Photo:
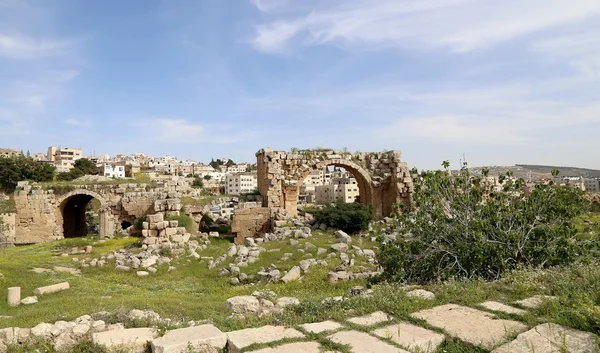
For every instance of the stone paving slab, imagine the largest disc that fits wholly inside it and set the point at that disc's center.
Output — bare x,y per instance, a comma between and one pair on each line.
471,325
132,339
318,327
535,301
496,306
361,342
370,319
241,339
551,338
198,338
411,337
297,347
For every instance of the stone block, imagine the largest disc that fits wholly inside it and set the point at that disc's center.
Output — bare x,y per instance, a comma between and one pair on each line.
550,338
535,301
420,293
155,218
292,275
145,232
170,231
361,342
204,338
238,340
471,325
132,339
370,319
176,238
495,306
150,240
324,326
14,296
411,337
51,289
297,347
174,224
145,225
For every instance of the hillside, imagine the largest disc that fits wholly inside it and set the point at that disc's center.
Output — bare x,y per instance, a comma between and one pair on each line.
536,172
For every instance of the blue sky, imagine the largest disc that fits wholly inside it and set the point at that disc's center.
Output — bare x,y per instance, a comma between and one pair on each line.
505,82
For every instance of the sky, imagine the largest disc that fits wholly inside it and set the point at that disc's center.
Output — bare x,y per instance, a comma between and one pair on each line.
500,82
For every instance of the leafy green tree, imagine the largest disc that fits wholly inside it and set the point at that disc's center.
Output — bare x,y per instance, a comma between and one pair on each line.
15,169
462,227
86,166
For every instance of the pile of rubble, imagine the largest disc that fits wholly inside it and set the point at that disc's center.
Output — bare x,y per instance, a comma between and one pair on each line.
263,302
64,335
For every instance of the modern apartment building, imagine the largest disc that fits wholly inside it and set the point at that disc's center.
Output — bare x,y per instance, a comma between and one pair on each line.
63,158
241,183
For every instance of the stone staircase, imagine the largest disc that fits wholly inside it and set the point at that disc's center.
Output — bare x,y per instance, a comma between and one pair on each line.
375,332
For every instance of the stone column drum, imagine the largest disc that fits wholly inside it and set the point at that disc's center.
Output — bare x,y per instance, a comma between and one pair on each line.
14,296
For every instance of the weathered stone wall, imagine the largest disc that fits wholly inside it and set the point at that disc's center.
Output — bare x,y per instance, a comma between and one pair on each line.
383,179
250,222
7,228
39,216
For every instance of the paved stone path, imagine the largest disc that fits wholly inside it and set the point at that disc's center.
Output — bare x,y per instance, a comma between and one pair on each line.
379,333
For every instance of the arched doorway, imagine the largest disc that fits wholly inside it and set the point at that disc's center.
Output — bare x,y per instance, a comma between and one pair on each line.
356,188
77,210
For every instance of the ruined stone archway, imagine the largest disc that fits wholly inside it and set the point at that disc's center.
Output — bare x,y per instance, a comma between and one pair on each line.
71,214
383,178
363,180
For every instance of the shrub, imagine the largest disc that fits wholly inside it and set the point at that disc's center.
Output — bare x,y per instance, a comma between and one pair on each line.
198,183
137,224
349,217
461,227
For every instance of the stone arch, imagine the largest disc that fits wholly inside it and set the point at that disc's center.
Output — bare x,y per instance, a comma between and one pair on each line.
384,179
71,213
363,179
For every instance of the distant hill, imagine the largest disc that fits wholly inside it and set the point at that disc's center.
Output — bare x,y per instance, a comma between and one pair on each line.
536,172
565,171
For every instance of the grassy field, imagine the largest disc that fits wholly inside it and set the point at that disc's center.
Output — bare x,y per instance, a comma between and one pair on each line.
193,292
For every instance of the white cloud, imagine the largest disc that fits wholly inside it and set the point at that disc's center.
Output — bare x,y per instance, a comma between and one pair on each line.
462,129
22,47
461,25
183,131
269,5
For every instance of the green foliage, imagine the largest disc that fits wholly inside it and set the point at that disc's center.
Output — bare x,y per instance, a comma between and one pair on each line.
219,162
70,175
15,169
198,182
461,227
137,224
81,167
86,166
184,221
349,217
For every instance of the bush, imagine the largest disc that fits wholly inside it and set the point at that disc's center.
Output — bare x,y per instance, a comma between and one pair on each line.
198,183
137,224
461,227
349,217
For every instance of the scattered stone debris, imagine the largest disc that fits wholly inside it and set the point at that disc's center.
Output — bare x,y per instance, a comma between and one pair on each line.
259,303
420,293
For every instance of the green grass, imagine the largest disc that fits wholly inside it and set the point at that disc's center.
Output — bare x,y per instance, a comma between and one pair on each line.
192,292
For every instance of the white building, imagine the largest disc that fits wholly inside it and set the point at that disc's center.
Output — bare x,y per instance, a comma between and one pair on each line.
241,183
326,194
114,170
